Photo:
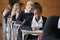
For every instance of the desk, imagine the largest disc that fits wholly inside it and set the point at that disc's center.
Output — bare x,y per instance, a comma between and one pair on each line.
13,21
17,25
30,32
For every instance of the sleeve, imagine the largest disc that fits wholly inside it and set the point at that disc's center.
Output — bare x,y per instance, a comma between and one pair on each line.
28,22
7,14
4,12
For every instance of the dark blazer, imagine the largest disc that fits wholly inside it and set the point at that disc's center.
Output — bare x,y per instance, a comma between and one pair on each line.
23,16
20,19
51,28
14,17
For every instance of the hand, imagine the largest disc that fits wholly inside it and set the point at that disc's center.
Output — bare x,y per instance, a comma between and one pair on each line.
9,19
34,28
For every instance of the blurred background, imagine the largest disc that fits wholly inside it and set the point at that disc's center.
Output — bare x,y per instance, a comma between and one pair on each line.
50,7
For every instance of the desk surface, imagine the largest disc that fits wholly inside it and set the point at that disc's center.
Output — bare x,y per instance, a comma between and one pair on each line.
17,24
32,32
13,21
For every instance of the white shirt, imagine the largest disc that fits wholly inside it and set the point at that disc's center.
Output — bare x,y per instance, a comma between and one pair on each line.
38,24
59,23
17,15
26,11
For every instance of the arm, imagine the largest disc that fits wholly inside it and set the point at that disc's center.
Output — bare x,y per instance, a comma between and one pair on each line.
5,12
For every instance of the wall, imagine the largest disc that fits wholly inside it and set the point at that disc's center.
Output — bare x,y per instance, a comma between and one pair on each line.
3,4
50,7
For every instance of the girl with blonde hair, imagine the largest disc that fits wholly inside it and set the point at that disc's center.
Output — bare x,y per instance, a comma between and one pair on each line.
14,14
26,12
15,11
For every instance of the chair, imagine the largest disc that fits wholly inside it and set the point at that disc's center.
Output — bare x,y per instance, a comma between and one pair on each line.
50,31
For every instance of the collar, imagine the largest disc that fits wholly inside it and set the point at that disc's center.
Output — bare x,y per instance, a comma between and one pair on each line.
17,13
40,20
26,11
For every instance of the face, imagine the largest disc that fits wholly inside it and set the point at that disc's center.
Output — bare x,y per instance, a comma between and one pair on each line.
17,8
29,8
37,13
9,7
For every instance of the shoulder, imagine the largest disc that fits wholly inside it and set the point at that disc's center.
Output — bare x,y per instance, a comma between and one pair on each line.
22,11
53,17
30,18
44,18
52,20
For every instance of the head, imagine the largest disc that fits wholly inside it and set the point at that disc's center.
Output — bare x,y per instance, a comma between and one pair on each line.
37,9
12,2
9,7
16,8
29,6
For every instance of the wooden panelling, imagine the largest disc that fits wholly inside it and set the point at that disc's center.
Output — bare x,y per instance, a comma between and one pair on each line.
50,7
3,4
0,32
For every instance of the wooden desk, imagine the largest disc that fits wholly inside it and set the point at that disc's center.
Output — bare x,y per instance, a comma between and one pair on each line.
17,24
13,21
27,31
30,32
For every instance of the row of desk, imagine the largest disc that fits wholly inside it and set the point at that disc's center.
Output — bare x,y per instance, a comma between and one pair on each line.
24,32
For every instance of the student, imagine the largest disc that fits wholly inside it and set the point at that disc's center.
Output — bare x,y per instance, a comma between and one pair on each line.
52,28
15,11
8,29
26,12
36,22
6,12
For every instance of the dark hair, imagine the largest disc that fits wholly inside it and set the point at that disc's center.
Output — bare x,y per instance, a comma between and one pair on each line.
37,6
12,2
